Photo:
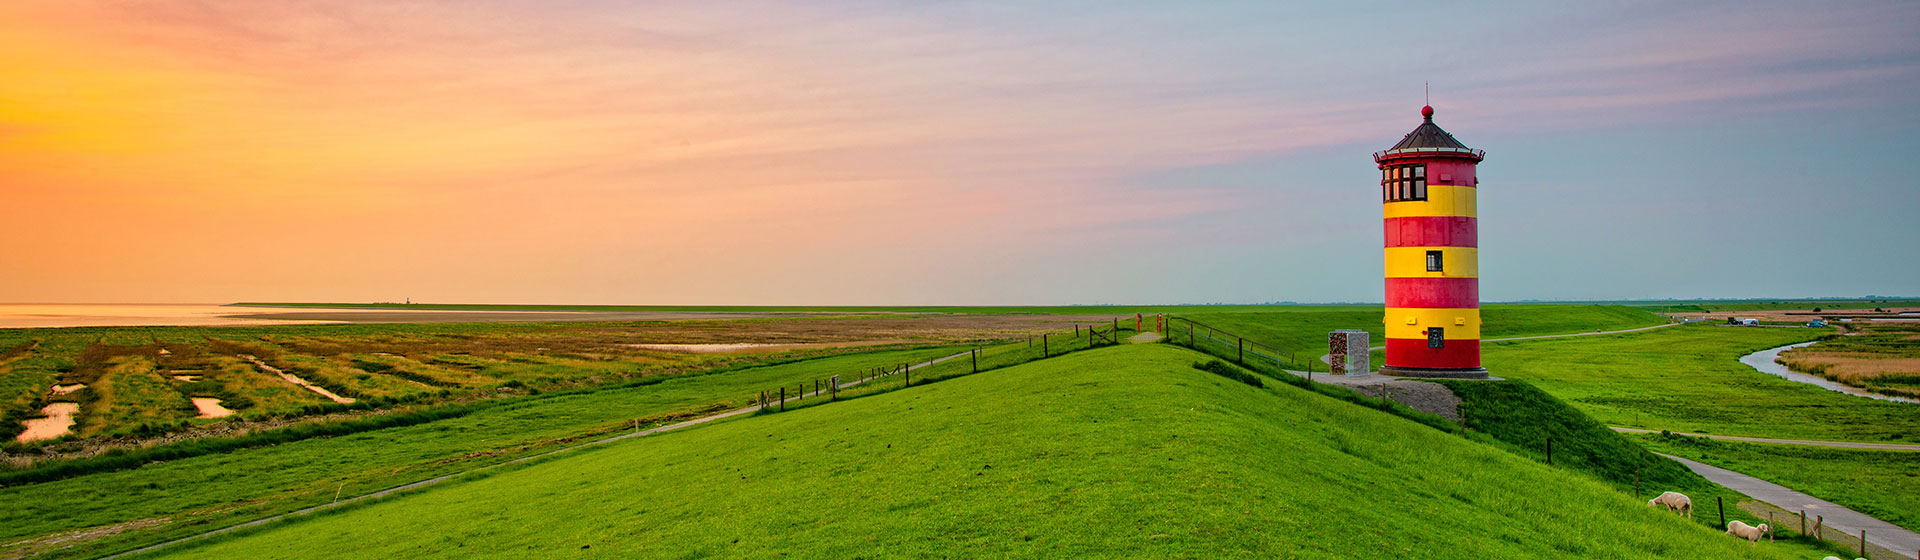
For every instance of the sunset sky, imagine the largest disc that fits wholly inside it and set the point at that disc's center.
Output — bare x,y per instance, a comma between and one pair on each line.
947,153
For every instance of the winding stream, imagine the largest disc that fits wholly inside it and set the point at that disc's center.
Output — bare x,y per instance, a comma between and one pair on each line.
1767,362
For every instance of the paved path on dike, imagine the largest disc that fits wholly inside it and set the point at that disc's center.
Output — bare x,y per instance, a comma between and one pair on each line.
1811,442
440,479
1903,543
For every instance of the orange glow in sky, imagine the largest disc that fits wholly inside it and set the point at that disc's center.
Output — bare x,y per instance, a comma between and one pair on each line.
583,152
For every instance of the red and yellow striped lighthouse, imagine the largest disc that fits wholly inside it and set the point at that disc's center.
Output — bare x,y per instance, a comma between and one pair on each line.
1428,187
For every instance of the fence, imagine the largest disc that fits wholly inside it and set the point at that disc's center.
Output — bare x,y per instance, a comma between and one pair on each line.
1238,346
883,378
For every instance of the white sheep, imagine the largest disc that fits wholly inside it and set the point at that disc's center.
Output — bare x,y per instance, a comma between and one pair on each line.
1674,501
1751,533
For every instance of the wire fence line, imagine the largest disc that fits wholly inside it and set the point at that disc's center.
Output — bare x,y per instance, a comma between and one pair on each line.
879,379
1240,346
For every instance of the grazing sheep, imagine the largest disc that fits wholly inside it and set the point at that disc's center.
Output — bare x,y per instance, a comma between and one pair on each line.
1674,501
1751,533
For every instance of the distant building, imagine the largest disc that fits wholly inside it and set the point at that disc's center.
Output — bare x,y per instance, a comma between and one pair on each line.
1429,190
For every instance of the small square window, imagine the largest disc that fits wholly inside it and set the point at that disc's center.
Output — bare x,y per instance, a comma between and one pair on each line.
1420,171
1436,337
1419,189
1434,261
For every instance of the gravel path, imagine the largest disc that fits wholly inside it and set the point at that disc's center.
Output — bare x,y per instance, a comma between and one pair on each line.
1901,542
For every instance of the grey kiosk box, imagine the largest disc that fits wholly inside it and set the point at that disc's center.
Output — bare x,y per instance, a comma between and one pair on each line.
1348,351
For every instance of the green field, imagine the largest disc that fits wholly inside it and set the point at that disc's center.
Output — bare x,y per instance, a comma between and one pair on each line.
1124,451
211,489
139,379
1883,484
1689,379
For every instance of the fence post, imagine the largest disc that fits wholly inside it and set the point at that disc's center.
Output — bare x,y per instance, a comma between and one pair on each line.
783,399
1043,346
1863,543
1242,357
1770,526
1818,522
1722,506
975,353
1803,522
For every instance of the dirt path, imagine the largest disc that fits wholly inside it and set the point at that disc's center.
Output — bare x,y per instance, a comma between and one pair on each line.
1901,542
462,474
1818,443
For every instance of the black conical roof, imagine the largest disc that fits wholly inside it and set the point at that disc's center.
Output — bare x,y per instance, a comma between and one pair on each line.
1428,135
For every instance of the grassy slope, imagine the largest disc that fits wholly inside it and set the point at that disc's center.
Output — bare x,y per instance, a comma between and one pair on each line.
1689,379
1525,417
1884,484
307,472
1117,452
1304,330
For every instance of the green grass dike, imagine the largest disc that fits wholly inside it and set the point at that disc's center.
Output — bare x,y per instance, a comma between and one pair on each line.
1126,451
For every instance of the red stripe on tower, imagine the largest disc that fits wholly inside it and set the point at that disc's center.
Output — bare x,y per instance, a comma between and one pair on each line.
1432,231
1458,354
1439,293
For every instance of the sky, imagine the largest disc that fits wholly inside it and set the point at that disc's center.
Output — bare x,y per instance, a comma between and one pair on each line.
870,153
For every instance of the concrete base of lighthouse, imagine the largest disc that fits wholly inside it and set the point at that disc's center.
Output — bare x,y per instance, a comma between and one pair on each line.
1469,373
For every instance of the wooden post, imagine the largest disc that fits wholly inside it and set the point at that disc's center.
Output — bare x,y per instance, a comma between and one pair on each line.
909,371
1863,543
1722,506
1043,346
1770,526
783,399
1803,522
975,353
1242,357
1076,330
1818,522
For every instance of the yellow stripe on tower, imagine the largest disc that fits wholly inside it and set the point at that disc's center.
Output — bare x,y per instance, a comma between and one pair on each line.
1411,262
1412,322
1442,200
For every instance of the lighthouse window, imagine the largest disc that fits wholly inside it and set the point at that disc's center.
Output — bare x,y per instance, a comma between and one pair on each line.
1403,183
1433,261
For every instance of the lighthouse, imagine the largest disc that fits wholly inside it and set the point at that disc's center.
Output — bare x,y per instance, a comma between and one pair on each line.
1428,188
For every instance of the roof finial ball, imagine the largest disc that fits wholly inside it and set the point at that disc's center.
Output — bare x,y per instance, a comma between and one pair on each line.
1427,112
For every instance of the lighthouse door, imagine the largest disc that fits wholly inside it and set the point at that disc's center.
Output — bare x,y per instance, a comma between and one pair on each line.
1436,337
